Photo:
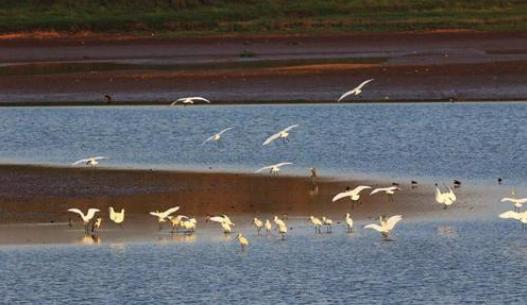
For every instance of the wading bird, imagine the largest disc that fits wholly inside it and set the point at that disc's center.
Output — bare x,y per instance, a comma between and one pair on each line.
117,217
446,199
275,168
389,191
177,221
96,224
353,195
243,241
282,229
356,91
86,219
278,221
385,226
163,216
91,161
282,134
268,226
328,223
317,223
258,224
189,225
189,100
349,222
216,137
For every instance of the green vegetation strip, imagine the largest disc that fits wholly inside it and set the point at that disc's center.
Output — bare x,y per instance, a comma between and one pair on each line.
183,17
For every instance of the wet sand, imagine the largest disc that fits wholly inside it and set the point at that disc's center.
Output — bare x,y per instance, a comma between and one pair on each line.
434,66
34,200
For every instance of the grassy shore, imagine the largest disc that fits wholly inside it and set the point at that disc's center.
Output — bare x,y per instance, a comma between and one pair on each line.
181,17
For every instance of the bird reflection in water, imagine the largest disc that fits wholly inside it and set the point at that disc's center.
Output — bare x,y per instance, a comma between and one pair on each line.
90,239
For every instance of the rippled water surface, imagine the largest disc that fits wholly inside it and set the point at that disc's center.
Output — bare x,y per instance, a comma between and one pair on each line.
427,263
477,140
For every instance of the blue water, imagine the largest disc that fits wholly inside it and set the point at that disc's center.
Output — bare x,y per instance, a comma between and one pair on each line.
427,263
478,141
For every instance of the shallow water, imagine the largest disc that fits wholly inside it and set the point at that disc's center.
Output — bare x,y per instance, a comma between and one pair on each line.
427,263
478,141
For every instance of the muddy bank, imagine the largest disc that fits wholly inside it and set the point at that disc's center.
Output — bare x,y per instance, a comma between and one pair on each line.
406,66
43,194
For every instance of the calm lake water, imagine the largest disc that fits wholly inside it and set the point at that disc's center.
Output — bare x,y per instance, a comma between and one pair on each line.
427,263
478,141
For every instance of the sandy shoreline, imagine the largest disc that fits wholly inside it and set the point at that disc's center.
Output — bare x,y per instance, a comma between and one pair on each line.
462,66
34,200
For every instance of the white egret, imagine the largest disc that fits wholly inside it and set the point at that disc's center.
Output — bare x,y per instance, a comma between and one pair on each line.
243,241
189,225
189,100
86,218
176,221
446,199
278,221
517,202
353,195
355,91
268,226
117,217
282,229
328,223
349,222
91,161
216,137
317,223
385,227
282,134
275,168
163,216
258,224
389,191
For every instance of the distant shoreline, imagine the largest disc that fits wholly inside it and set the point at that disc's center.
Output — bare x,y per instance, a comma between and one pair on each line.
252,102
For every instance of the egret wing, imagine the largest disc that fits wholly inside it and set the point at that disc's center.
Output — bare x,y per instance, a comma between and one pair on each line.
341,195
271,138
392,221
374,226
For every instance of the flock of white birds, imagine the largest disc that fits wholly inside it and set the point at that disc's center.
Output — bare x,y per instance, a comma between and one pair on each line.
187,225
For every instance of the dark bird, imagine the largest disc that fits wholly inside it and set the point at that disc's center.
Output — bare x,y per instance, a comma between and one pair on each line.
457,183
500,180
108,99
413,183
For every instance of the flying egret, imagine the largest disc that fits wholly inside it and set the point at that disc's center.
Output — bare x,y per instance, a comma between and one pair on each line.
91,161
349,222
86,218
117,217
216,137
521,217
163,216
268,226
389,191
243,241
328,223
353,195
189,100
356,91
275,168
258,224
317,223
224,221
385,226
282,134
517,202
